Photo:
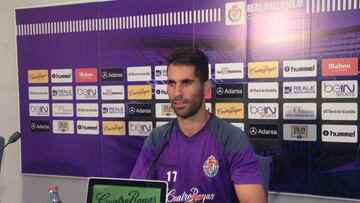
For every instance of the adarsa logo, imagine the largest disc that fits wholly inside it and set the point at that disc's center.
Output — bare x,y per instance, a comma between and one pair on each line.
139,92
229,110
263,69
113,127
39,126
112,74
264,131
38,76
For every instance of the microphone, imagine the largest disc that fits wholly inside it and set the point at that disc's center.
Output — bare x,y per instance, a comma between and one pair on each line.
13,138
161,150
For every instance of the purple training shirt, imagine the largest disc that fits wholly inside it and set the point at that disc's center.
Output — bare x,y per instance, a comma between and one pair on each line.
208,163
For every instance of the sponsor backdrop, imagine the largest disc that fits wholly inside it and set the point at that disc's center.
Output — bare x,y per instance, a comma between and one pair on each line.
92,81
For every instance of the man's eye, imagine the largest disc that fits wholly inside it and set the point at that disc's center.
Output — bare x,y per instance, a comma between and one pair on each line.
186,83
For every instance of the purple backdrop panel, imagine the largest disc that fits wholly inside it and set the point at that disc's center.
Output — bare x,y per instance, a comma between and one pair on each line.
45,152
120,34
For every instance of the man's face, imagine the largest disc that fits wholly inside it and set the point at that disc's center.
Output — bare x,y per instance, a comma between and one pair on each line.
185,90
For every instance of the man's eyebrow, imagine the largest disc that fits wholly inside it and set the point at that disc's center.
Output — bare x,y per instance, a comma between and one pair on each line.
182,81
187,80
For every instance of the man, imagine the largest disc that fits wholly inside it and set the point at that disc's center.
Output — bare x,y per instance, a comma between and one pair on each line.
198,153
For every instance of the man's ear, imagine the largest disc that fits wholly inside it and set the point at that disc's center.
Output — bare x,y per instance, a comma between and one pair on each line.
207,87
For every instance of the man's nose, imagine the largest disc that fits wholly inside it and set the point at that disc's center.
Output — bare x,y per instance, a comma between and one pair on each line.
178,90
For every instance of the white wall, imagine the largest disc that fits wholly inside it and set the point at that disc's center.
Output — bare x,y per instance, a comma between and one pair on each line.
11,180
16,188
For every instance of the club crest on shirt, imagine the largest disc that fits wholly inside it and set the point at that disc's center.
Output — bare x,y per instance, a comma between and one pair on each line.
211,166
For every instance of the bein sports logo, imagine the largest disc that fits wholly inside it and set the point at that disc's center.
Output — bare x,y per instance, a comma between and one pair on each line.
86,92
334,89
263,111
39,109
140,128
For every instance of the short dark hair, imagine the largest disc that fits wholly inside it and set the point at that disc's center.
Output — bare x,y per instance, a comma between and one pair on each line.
191,56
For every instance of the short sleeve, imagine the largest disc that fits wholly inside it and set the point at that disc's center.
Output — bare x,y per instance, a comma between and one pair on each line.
243,166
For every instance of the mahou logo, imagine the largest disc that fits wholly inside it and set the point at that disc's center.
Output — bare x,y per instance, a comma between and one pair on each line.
86,75
340,67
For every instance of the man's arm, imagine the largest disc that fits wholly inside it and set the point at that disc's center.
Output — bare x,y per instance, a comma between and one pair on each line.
250,193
